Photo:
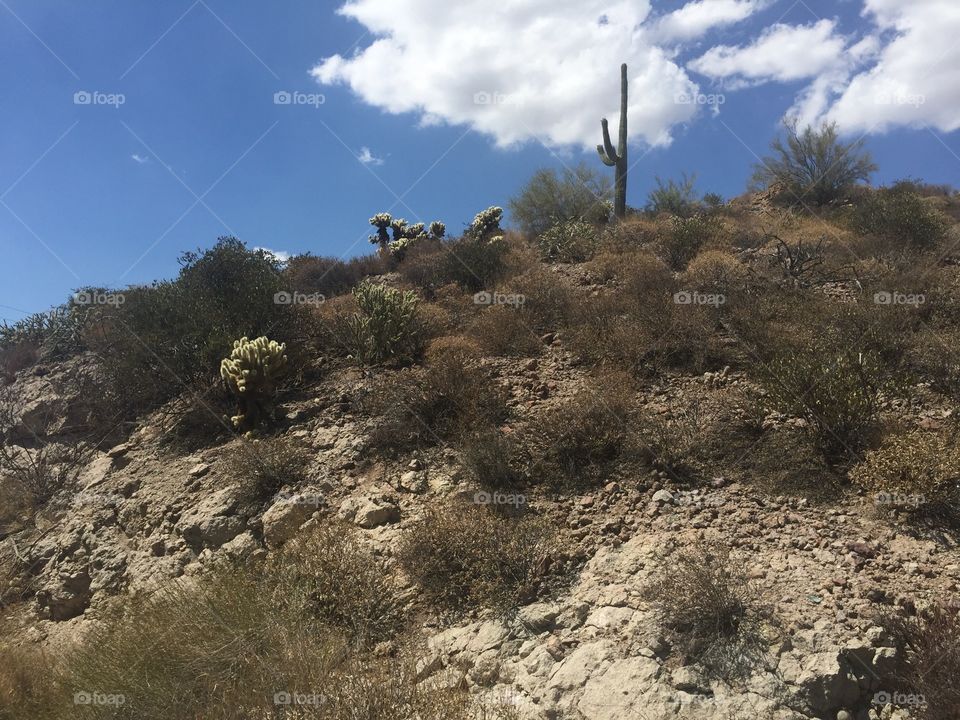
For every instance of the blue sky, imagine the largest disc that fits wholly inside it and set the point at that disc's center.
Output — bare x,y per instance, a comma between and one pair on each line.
103,193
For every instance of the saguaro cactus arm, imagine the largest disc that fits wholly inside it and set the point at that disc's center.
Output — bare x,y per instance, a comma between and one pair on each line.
607,154
617,157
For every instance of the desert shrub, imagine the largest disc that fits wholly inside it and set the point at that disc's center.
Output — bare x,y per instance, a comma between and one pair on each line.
470,557
903,220
715,272
503,330
815,164
549,198
934,357
251,373
175,333
16,357
263,466
630,233
385,326
673,440
449,397
571,241
798,262
489,457
836,391
470,262
685,237
708,608
328,575
329,276
928,660
26,676
807,474
53,334
917,469
675,197
579,442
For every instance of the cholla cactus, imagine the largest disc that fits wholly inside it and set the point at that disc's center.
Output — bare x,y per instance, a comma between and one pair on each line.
486,225
381,221
437,230
251,373
386,325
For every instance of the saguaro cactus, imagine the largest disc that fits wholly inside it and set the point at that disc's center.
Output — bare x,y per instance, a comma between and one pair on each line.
617,157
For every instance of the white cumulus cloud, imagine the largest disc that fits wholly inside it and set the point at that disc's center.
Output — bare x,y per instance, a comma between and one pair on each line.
915,80
367,157
523,70
695,19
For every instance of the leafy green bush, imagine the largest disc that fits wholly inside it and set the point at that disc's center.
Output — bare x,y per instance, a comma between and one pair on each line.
570,241
473,264
549,199
814,164
386,326
174,334
470,557
676,198
902,219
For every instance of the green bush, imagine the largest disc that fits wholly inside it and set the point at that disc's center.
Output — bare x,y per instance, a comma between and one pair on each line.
902,219
814,165
676,198
329,276
549,199
174,334
386,325
686,237
471,263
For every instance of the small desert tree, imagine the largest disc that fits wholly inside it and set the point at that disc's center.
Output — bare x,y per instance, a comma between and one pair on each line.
550,198
814,165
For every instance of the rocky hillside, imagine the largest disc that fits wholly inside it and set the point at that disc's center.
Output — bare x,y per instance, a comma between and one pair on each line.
670,469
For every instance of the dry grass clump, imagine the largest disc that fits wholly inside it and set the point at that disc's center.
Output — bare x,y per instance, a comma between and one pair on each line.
263,466
579,442
239,644
490,458
706,604
463,558
929,646
715,271
449,397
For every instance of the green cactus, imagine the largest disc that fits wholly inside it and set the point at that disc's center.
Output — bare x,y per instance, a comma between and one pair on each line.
403,235
486,225
386,326
382,222
251,373
617,158
437,230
